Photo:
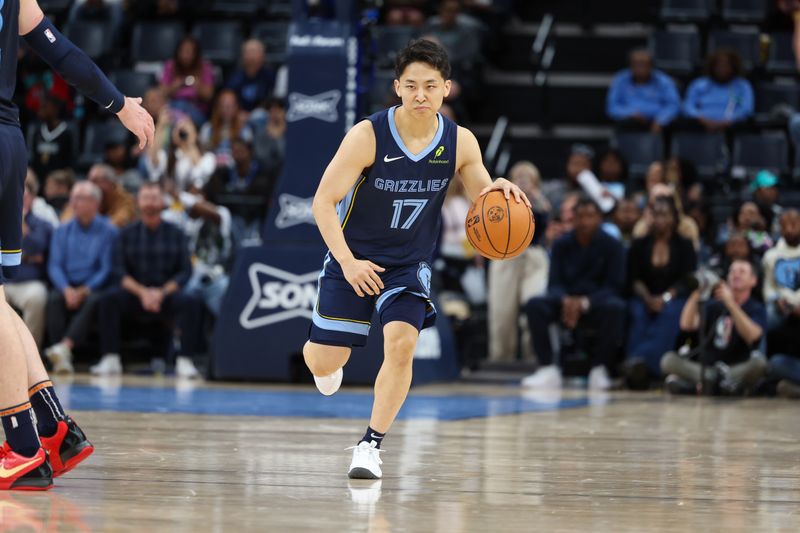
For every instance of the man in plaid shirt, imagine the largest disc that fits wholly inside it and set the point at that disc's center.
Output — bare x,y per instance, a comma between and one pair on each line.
151,260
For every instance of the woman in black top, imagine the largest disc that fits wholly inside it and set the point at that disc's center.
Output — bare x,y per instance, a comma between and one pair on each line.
659,265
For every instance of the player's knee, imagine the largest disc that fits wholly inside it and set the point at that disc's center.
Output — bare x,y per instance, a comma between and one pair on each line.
399,345
324,360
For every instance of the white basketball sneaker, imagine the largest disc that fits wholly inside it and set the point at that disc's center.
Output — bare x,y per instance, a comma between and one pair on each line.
366,462
547,377
60,356
329,384
185,369
109,365
599,378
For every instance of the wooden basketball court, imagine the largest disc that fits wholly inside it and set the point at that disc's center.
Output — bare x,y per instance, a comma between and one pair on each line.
463,458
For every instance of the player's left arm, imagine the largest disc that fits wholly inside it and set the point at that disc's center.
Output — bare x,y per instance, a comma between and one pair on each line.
75,66
476,179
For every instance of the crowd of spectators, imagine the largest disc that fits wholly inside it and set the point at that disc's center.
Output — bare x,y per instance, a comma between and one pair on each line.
143,240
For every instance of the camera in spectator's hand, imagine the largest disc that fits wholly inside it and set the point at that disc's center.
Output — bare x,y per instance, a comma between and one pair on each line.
706,280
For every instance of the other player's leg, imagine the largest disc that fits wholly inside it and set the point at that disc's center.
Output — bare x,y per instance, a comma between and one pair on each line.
60,435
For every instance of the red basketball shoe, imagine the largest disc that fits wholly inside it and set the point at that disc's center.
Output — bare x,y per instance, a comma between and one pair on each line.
24,473
67,448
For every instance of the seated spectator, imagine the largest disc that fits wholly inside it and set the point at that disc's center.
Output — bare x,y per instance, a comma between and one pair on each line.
245,177
625,216
782,285
612,171
27,290
188,80
587,275
184,166
659,265
39,205
700,213
79,268
580,159
513,282
160,9
151,257
734,325
119,156
682,176
642,97
227,123
736,248
405,12
765,194
748,219
51,146
211,245
686,226
254,80
723,97
270,141
455,253
563,222
118,204
57,187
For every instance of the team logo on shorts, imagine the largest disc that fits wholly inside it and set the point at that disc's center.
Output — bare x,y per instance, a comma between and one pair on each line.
278,296
424,277
496,214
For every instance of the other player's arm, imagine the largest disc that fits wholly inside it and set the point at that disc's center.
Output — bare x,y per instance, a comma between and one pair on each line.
356,153
476,179
75,66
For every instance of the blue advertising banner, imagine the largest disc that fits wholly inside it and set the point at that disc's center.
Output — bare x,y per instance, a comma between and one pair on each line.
266,314
321,108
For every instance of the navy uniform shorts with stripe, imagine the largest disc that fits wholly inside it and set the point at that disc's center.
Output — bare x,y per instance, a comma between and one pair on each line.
342,318
13,166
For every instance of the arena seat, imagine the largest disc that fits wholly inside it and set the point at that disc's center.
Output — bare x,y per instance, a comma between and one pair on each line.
766,150
220,42
90,36
744,11
676,52
686,10
155,41
132,83
745,42
274,36
639,150
781,58
707,151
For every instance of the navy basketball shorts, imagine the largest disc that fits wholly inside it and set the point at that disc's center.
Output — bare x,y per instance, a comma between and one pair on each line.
342,318
13,166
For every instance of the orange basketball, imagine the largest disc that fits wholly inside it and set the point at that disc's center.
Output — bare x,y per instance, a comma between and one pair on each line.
498,228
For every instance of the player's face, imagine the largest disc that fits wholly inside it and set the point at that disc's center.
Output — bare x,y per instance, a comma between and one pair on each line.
422,89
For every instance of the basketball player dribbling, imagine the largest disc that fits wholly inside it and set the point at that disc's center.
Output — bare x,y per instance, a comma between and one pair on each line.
29,407
378,208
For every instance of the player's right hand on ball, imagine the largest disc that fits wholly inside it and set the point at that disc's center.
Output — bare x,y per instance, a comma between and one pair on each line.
363,276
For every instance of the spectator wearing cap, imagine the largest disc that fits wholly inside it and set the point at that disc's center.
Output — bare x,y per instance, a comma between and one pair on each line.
641,97
51,145
722,97
765,194
79,268
254,80
27,290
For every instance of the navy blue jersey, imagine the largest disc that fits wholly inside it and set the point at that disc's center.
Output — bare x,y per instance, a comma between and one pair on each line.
9,41
392,215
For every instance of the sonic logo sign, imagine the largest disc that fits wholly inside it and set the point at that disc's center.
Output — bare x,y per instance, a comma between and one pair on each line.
278,296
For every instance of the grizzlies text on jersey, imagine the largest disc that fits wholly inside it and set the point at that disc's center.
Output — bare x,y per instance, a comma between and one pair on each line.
392,215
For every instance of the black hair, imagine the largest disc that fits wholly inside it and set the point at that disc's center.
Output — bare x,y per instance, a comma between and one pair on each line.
587,201
718,55
613,152
423,51
243,142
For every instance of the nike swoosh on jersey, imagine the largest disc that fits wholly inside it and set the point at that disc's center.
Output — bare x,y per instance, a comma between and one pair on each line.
7,473
387,159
